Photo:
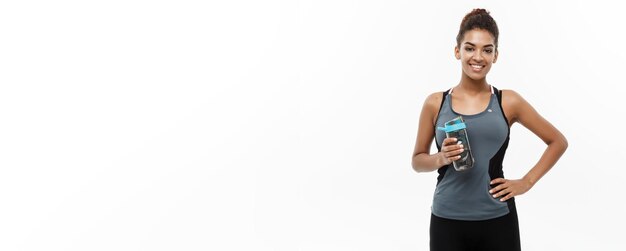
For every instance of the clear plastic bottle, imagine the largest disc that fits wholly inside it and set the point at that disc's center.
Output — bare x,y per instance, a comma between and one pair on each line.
456,128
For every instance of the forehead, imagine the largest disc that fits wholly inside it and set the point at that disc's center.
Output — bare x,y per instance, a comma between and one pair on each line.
479,37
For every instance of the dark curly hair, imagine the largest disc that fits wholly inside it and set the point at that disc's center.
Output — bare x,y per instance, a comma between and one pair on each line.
478,18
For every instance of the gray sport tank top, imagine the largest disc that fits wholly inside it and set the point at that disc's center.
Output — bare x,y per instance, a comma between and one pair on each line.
464,195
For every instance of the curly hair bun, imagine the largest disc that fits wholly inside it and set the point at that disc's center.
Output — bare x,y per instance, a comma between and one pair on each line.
478,19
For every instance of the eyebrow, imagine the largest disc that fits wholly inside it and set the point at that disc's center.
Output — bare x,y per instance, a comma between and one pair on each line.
489,45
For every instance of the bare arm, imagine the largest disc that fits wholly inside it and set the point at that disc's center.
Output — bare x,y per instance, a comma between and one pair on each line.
422,160
526,115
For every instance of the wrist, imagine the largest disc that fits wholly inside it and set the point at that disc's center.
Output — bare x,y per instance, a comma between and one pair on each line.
440,159
529,181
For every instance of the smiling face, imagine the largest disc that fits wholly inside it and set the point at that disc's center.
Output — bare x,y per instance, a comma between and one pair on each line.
477,53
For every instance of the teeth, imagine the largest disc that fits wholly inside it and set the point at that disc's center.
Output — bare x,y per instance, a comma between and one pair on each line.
476,66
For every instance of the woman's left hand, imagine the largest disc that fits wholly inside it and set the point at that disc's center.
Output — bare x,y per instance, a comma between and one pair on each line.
509,188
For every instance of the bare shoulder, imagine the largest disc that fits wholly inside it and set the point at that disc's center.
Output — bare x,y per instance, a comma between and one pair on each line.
511,94
434,100
431,106
511,97
432,103
515,106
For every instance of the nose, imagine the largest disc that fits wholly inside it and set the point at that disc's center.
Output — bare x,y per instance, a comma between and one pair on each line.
477,56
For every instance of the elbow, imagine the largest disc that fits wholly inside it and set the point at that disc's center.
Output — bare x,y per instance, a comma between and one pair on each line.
414,164
564,143
418,170
561,143
417,166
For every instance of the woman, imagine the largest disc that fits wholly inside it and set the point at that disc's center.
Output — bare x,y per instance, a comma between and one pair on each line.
475,209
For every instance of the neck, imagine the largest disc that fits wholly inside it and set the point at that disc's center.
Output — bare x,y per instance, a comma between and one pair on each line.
472,86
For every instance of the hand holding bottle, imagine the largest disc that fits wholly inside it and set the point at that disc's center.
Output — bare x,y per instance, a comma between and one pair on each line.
450,151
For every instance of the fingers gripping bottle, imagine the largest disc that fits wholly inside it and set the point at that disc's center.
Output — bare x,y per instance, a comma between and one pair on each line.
455,128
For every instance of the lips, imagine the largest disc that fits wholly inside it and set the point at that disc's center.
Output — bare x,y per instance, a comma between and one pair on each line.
476,67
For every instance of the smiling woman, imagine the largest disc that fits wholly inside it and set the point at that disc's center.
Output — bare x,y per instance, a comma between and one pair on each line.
474,209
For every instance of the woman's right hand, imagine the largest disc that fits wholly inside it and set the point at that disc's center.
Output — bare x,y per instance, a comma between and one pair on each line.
450,151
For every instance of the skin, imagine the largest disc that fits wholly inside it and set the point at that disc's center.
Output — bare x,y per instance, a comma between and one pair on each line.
471,96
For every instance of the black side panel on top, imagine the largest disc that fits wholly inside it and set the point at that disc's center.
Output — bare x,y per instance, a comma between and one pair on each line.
442,170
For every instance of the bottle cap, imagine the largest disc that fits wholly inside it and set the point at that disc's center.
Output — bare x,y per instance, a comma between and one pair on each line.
452,128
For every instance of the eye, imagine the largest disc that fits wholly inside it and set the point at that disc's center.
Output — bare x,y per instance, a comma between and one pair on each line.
489,51
469,49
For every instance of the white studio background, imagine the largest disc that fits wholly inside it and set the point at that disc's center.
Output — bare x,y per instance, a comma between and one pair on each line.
284,125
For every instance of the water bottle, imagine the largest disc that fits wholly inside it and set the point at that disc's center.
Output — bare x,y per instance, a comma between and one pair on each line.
455,128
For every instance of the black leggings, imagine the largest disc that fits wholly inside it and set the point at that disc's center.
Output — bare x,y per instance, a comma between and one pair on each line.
496,234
